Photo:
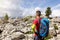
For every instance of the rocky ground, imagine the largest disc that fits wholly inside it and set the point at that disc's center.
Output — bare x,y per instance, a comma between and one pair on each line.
20,29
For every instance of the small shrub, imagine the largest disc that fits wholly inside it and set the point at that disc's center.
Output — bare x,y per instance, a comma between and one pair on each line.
55,26
48,37
25,19
30,32
6,17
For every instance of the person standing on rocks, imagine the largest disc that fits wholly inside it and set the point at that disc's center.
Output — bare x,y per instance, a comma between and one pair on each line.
40,27
36,25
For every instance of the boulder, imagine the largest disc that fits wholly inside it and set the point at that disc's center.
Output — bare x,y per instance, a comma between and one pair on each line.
7,38
58,37
59,27
52,31
58,31
26,29
17,36
11,20
29,36
14,36
2,26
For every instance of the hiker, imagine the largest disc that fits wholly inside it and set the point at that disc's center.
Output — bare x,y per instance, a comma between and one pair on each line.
36,25
40,27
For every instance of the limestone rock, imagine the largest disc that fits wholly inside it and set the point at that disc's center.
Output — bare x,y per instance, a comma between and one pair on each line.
52,31
17,36
11,20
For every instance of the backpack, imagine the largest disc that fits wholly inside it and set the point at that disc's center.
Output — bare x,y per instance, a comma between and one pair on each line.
44,27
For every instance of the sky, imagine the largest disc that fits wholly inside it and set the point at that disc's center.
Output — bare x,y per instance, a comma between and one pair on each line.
21,8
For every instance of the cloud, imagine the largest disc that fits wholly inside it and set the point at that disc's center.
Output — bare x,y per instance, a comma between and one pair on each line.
37,8
11,7
56,10
56,13
56,7
28,12
16,8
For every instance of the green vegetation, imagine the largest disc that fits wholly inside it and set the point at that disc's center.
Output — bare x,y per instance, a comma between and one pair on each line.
26,18
48,12
6,17
29,16
56,27
30,32
48,37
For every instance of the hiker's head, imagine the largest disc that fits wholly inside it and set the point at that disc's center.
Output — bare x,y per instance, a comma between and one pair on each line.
38,14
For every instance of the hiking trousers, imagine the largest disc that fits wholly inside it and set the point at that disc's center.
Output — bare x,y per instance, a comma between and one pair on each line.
38,38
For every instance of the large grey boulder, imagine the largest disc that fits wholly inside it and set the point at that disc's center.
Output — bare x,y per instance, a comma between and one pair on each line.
52,31
59,27
2,26
58,37
11,20
29,36
26,29
7,38
17,36
58,31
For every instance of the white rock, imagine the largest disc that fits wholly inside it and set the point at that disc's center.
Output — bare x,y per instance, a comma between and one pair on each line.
52,31
58,37
26,29
7,38
11,20
58,31
9,29
17,35
58,27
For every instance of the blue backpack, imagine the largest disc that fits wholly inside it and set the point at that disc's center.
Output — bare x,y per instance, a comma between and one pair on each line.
44,27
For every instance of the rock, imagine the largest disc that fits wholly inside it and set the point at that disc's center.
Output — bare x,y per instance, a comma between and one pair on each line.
7,38
9,27
58,31
8,30
59,27
26,29
17,36
15,29
58,37
2,26
52,31
14,36
23,24
29,36
29,25
11,20
52,39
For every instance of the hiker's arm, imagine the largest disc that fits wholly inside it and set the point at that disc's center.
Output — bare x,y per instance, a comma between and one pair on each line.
33,27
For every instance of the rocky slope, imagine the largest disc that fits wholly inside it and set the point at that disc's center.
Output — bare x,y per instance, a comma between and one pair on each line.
20,29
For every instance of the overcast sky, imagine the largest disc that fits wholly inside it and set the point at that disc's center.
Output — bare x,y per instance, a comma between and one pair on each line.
17,8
